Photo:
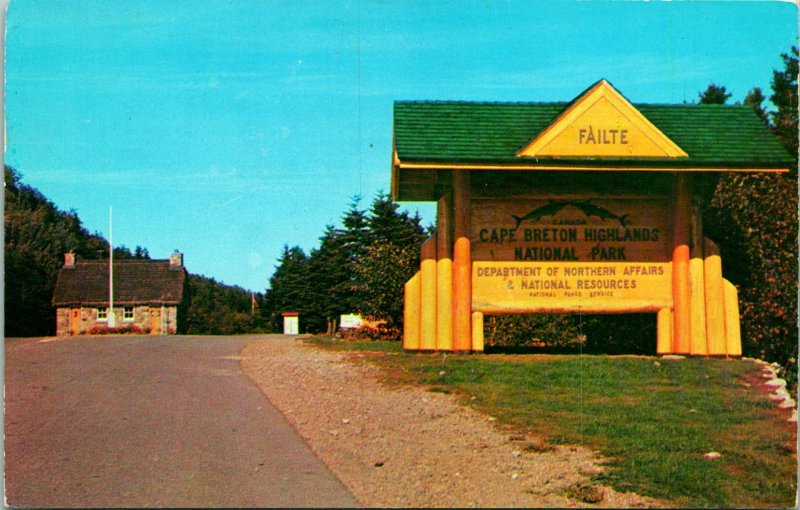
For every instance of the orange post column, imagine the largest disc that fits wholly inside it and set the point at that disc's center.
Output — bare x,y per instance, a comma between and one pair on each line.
444,274
462,263
681,284
427,323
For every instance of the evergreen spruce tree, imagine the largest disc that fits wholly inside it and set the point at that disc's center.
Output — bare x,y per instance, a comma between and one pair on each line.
714,94
288,286
755,99
387,225
390,259
784,97
329,282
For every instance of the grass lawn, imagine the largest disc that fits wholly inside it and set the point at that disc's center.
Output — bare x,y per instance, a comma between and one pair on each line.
654,418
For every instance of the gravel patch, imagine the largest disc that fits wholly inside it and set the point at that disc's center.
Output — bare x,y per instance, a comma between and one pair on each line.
407,447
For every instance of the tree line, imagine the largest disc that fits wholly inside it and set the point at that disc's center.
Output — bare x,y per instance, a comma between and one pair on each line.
359,267
38,234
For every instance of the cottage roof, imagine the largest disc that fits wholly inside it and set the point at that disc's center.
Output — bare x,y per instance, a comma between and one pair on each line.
136,282
458,135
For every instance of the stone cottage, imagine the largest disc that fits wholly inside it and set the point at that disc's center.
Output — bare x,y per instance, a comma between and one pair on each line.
148,295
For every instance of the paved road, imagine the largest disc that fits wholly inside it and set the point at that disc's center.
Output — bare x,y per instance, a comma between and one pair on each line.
150,421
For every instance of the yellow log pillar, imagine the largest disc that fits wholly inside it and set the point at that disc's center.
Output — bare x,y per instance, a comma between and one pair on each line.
477,331
444,274
411,314
427,324
733,334
715,300
699,342
681,283
664,328
462,263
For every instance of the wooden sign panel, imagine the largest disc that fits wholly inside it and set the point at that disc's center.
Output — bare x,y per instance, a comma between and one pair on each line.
520,287
570,254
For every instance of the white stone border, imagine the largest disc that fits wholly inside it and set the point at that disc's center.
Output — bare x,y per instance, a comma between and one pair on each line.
769,371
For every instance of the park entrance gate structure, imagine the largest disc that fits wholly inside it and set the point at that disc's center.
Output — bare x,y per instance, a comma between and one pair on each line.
592,206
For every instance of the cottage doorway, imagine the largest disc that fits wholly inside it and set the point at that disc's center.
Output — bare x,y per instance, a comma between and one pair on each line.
155,321
75,321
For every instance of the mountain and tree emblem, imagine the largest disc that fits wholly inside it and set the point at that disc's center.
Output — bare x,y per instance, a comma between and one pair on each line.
553,207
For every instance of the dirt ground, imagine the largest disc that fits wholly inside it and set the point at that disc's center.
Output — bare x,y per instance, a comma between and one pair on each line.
407,447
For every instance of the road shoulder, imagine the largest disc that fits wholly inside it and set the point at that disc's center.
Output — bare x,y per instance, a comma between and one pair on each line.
407,447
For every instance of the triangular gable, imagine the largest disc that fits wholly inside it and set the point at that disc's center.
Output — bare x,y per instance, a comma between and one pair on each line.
602,123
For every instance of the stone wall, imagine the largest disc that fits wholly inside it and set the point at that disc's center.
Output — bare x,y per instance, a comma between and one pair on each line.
62,321
141,317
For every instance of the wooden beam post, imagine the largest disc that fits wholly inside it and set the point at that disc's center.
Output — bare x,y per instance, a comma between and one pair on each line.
462,263
681,282
444,273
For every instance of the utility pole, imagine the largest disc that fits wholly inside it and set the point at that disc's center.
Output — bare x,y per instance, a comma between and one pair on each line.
112,322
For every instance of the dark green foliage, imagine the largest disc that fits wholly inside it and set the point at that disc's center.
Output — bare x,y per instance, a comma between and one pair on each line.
386,225
755,99
551,333
784,97
389,261
288,288
714,94
355,236
216,309
381,275
606,334
360,268
620,334
754,219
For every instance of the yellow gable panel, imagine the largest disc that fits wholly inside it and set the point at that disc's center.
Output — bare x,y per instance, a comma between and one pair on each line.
602,123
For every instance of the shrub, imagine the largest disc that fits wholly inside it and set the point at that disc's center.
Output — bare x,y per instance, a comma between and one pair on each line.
373,331
381,274
633,333
549,332
611,334
754,219
127,329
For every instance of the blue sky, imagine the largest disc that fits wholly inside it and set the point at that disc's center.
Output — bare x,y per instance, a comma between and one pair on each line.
226,129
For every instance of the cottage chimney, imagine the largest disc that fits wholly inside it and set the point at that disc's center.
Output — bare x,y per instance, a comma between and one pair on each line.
69,260
176,260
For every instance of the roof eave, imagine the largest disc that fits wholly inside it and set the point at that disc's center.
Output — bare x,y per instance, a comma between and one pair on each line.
589,164
95,304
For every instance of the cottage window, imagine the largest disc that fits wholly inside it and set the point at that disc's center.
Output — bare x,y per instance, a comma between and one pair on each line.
127,313
102,314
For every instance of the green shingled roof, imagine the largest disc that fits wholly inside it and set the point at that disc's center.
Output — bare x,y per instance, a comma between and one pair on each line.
714,136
